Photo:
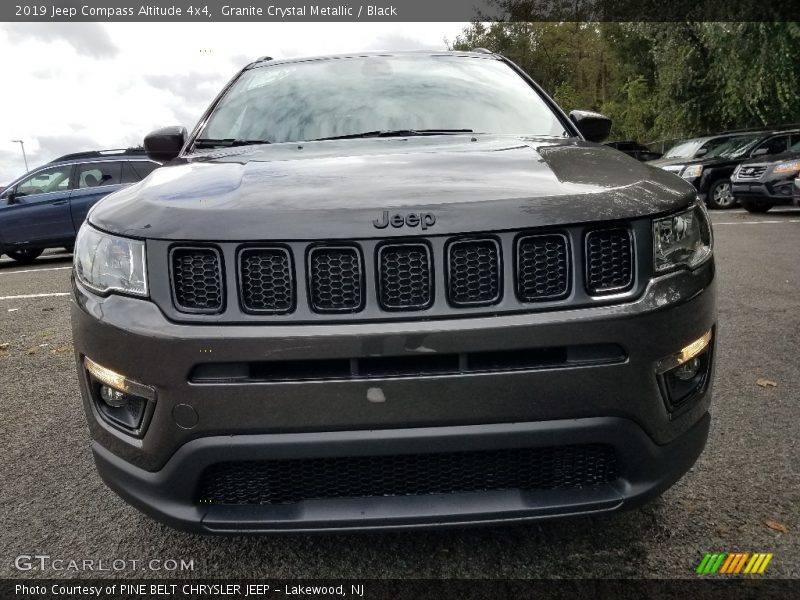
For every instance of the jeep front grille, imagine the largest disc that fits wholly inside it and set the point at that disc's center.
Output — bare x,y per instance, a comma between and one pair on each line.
295,480
197,279
405,279
267,282
335,279
542,267
609,261
420,277
474,272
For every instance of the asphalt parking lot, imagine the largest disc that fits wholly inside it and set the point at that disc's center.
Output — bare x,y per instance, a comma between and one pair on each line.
742,495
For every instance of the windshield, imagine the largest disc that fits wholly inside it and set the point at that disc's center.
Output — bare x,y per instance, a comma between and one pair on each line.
734,147
683,150
349,96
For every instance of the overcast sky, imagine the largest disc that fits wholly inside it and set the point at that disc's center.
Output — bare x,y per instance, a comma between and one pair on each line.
69,87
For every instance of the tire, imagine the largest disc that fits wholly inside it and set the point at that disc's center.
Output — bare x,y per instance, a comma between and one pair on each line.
720,196
24,256
756,206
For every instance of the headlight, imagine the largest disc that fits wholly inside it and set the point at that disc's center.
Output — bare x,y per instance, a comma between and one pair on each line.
792,166
683,239
106,263
692,171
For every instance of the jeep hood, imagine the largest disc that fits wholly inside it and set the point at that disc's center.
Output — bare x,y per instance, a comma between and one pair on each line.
335,189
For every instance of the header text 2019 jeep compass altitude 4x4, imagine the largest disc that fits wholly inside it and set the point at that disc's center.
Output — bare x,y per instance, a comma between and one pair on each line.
388,291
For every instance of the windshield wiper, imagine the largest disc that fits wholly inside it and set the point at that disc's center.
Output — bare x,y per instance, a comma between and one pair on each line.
394,133
226,143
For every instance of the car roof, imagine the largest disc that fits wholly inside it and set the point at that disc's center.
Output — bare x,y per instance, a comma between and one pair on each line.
99,155
477,53
760,132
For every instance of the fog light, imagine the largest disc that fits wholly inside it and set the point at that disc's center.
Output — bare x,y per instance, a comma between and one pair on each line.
684,375
113,397
120,401
687,370
686,354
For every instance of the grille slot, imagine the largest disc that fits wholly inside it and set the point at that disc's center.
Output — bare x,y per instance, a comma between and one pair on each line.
750,172
197,279
335,279
542,267
474,273
411,365
609,261
292,481
404,276
266,280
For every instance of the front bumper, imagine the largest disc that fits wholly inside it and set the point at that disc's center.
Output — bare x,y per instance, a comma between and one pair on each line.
774,192
618,403
167,495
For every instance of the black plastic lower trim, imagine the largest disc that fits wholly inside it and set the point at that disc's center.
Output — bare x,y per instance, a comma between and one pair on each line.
645,469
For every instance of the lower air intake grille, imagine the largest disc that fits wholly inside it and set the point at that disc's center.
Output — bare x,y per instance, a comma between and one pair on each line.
474,272
542,267
266,280
609,261
335,279
292,481
197,280
405,277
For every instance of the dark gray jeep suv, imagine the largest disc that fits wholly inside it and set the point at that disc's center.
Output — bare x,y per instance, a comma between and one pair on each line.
393,290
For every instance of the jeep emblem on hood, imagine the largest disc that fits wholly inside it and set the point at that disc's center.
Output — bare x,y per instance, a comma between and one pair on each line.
423,220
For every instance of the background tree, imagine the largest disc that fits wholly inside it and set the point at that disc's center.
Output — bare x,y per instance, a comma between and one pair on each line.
658,80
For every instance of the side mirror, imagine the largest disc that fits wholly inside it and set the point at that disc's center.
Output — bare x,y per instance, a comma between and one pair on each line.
165,144
701,152
593,126
760,151
11,196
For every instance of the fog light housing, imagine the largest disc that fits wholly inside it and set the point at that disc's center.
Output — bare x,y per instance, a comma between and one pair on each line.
121,402
688,370
114,398
684,375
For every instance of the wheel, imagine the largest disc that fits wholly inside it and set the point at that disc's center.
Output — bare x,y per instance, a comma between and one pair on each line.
24,256
720,194
756,206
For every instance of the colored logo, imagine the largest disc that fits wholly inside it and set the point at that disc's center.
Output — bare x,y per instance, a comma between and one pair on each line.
733,563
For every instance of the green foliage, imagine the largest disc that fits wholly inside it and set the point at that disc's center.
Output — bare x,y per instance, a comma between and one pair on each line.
658,80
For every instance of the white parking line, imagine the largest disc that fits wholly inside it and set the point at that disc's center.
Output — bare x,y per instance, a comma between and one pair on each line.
758,222
784,210
26,296
35,270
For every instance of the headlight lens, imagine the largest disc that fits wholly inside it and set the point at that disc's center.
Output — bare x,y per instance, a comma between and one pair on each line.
692,171
792,166
106,263
683,239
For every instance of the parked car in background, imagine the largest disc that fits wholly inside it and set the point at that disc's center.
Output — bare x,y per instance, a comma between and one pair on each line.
675,158
45,207
711,173
635,149
762,183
